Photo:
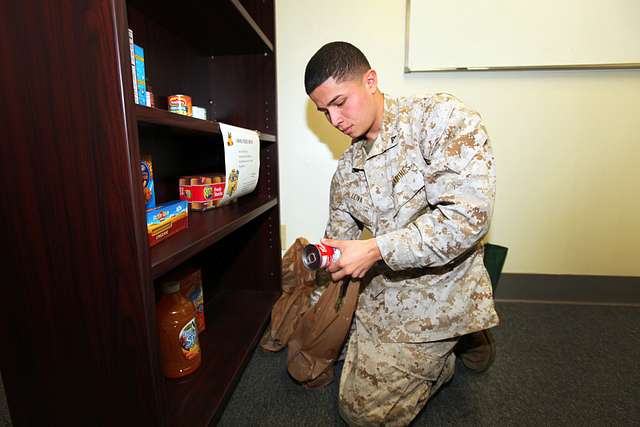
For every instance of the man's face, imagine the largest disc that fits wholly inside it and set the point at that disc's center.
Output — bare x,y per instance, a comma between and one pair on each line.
349,105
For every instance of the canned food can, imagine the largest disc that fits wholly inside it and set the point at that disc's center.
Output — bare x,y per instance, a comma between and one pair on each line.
180,104
319,256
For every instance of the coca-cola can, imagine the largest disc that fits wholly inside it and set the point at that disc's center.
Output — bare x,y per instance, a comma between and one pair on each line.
319,256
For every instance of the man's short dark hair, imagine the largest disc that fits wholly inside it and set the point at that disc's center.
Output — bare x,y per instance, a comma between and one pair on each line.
340,60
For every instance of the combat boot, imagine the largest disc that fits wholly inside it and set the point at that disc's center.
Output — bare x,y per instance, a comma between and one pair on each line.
477,350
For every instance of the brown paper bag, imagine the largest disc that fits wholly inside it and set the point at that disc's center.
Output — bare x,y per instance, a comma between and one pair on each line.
321,332
297,285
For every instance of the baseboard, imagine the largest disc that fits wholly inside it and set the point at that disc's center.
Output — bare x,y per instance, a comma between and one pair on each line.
569,288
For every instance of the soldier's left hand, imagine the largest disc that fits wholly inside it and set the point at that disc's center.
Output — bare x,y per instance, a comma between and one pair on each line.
357,257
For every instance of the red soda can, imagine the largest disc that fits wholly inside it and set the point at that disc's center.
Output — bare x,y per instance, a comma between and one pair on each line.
319,256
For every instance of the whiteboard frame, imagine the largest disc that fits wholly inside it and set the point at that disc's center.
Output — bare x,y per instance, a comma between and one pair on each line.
407,69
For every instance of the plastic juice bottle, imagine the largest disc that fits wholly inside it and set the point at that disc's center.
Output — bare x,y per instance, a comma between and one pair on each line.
179,346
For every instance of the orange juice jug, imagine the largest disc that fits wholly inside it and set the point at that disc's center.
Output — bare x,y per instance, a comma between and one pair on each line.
178,331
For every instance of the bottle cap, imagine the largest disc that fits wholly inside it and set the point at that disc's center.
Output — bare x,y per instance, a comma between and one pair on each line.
170,287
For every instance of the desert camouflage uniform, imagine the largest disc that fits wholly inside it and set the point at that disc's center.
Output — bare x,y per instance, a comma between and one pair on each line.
425,189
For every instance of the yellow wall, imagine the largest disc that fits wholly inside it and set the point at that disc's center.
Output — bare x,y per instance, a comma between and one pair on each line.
567,143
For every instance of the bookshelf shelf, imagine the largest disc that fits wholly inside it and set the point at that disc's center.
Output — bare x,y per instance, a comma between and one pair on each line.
206,228
180,123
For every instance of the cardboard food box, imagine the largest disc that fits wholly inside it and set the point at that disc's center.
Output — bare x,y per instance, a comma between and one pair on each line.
146,167
202,192
166,219
191,288
190,279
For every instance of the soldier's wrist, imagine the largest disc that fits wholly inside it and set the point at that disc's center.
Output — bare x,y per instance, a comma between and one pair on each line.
374,250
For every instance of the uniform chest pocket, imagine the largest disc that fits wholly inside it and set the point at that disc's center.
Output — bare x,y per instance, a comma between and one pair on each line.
408,188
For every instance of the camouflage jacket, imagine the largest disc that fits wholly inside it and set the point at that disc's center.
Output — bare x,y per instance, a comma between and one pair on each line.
425,190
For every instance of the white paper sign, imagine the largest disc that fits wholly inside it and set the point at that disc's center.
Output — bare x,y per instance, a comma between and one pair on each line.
241,159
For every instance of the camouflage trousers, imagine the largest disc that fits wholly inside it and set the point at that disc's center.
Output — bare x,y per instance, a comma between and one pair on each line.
389,383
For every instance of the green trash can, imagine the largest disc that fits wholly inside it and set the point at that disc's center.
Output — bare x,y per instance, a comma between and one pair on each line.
494,257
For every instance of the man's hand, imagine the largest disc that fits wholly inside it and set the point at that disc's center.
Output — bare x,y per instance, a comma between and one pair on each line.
357,257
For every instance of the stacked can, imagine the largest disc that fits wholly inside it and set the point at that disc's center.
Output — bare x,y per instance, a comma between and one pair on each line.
180,104
319,256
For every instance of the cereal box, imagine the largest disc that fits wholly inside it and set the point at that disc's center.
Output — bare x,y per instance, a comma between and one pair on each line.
166,220
138,54
191,288
147,182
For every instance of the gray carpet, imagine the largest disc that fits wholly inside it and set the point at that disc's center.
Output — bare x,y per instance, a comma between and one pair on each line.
556,365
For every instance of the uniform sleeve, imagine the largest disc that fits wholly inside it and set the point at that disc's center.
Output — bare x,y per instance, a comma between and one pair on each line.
460,188
341,225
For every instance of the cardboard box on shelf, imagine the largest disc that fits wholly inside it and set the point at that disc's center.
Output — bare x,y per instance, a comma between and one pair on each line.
146,167
190,279
191,287
166,219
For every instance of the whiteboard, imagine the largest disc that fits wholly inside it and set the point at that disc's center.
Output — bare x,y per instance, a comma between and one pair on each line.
444,35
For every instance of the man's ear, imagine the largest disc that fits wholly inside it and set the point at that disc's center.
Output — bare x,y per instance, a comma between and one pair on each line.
371,80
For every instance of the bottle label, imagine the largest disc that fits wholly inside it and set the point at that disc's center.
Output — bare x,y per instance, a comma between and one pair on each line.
189,340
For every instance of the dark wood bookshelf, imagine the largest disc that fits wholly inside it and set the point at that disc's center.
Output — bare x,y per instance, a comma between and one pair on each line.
206,228
80,255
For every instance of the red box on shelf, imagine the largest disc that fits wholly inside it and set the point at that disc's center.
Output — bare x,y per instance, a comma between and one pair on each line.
202,191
